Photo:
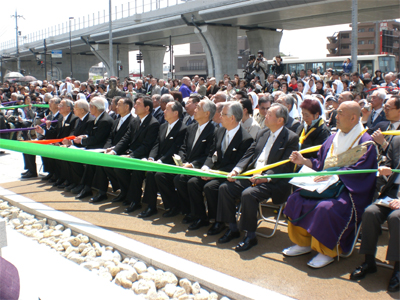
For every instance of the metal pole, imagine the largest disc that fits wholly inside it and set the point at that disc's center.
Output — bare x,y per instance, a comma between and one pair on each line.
51,66
16,40
354,34
70,46
170,55
45,60
110,42
1,69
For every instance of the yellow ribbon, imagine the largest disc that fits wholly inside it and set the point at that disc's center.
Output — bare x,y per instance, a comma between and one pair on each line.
391,132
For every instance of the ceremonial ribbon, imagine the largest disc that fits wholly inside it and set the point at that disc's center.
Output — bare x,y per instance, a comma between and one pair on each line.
51,141
391,132
25,105
113,161
23,129
10,102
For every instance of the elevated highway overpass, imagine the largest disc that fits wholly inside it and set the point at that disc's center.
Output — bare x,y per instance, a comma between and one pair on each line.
215,23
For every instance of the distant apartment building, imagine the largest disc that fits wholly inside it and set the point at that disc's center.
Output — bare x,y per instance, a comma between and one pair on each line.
195,63
381,37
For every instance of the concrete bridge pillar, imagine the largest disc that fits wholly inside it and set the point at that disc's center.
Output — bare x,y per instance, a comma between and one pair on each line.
120,58
222,40
266,40
153,59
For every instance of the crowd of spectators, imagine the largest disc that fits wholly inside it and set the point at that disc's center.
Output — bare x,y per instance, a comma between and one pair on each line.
232,125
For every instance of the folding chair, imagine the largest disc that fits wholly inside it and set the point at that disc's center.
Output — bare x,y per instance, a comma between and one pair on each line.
271,219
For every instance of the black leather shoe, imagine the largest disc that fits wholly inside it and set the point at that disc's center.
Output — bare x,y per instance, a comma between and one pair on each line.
361,271
229,236
58,182
171,212
99,197
148,213
394,282
119,198
126,202
189,218
246,244
198,224
77,189
47,177
133,207
52,179
63,185
24,172
70,187
29,174
216,228
84,193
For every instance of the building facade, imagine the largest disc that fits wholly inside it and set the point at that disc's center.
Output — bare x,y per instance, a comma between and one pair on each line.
381,37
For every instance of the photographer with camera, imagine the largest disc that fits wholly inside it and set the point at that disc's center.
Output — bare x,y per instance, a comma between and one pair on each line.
261,66
356,86
249,69
277,68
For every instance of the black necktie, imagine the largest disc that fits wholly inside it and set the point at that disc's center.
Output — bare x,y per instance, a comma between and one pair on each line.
189,121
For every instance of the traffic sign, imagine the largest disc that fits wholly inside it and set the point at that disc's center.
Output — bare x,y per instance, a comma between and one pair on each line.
56,53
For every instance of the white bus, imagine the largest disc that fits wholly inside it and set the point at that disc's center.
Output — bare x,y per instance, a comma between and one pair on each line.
384,62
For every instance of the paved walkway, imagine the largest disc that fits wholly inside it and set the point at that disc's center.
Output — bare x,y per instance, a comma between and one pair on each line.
263,265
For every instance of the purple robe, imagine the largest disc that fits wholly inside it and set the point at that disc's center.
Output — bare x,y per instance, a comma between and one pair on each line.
330,217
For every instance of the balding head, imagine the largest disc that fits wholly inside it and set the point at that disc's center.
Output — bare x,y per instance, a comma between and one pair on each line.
348,116
186,81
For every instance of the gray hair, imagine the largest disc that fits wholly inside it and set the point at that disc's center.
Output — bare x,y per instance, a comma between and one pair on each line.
289,99
167,98
381,94
156,97
281,112
82,104
234,109
48,96
98,102
56,100
210,107
69,103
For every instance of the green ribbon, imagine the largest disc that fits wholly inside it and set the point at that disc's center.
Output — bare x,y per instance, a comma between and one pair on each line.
113,161
25,105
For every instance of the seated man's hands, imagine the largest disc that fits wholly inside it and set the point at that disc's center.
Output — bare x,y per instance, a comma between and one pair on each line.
384,171
322,178
78,140
187,165
39,129
297,158
66,142
395,204
378,137
232,174
257,181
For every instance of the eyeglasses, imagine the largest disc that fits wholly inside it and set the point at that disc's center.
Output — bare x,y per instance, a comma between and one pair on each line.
387,107
224,115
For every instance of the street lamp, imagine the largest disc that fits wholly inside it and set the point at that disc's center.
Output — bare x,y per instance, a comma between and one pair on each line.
70,46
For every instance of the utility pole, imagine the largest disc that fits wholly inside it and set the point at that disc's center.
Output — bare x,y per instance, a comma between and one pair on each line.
17,33
354,34
110,42
45,60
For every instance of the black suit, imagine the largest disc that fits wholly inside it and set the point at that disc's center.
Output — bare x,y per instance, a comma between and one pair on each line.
159,115
164,90
217,161
383,126
192,153
381,117
163,150
277,189
375,215
139,140
187,120
316,137
292,124
60,131
103,174
98,132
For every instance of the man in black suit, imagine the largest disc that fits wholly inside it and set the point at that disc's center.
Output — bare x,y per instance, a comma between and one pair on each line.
30,160
169,141
64,128
377,115
194,151
98,132
270,146
392,113
190,106
375,215
230,143
74,170
120,127
157,113
138,141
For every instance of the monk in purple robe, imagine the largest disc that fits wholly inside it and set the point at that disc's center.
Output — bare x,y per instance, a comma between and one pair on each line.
328,225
